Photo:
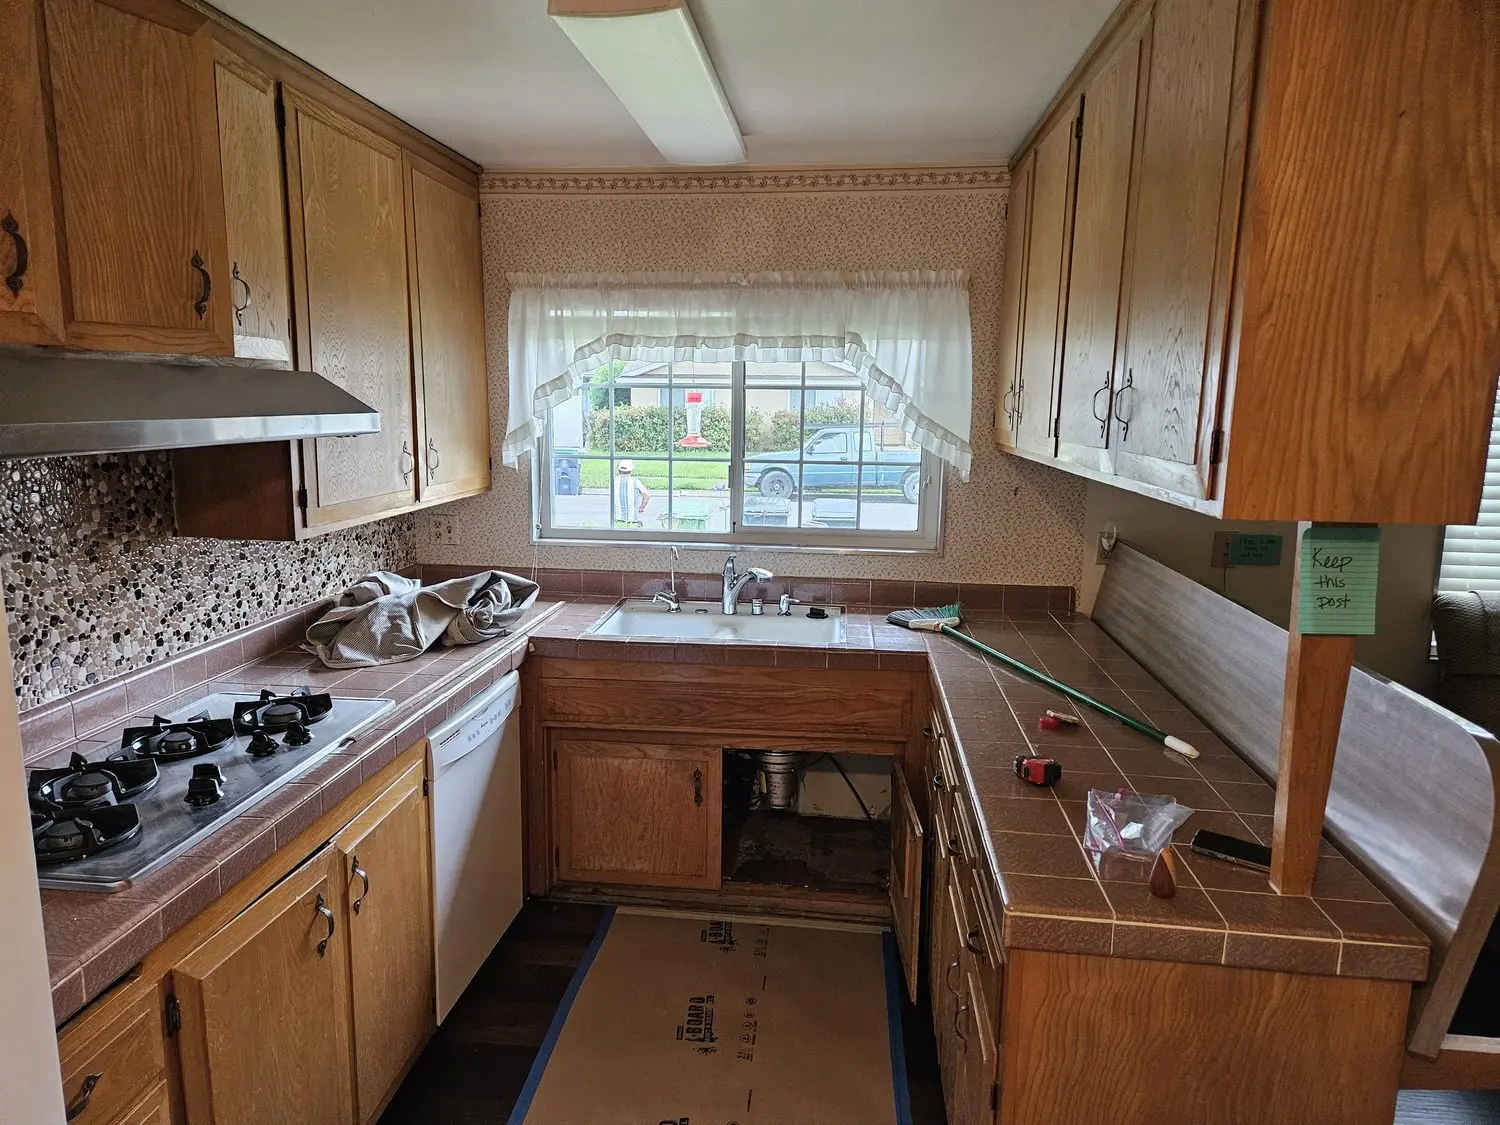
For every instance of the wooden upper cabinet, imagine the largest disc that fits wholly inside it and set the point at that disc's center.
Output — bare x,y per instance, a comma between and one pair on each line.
265,1010
30,285
628,812
259,280
1105,160
141,195
385,856
348,237
1048,239
1013,299
447,301
1178,278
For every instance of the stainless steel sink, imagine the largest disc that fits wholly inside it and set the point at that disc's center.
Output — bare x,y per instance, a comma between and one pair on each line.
637,617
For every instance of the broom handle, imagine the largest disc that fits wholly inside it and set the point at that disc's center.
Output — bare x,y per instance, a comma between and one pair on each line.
1071,692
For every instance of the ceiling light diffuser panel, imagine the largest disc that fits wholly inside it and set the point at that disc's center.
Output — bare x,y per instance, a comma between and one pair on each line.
648,52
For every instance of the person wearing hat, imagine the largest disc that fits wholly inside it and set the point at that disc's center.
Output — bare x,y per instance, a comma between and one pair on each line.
631,496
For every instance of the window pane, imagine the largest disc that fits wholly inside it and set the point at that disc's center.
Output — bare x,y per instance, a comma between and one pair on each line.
773,422
638,493
580,492
888,496
700,495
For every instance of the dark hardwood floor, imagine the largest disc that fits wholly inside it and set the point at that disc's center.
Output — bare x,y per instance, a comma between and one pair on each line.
473,1070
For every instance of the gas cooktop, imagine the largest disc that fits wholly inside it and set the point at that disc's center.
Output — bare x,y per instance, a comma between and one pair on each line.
101,824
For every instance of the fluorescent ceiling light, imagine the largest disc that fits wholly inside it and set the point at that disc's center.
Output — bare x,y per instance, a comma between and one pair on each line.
648,52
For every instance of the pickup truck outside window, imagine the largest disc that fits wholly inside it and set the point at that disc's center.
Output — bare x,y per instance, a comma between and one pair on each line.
773,454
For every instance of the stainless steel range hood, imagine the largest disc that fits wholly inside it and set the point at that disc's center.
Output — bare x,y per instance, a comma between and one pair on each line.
52,405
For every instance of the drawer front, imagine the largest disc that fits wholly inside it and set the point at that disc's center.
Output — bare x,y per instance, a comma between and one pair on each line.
106,1073
153,1109
986,957
787,710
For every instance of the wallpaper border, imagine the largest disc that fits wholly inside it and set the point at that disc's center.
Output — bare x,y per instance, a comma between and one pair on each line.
503,182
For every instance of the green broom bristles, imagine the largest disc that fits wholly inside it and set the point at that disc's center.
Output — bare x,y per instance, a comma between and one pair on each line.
929,620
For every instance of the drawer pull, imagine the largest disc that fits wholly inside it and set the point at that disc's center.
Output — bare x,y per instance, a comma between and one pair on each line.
322,908
939,782
200,306
356,869
16,278
1120,400
958,1016
85,1094
974,945
955,847
947,982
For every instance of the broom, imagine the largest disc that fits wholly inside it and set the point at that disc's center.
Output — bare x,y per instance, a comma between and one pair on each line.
946,619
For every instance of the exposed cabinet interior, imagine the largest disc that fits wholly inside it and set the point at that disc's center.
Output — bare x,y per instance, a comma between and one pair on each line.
254,209
448,333
265,1007
348,235
384,855
30,286
1249,295
133,107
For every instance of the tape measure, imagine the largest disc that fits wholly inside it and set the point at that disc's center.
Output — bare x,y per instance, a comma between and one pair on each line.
1038,771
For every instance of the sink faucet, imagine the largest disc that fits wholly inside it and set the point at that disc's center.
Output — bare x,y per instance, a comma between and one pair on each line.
670,597
734,582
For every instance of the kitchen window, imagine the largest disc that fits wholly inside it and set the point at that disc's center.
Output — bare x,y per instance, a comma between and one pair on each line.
814,411
1471,555
785,454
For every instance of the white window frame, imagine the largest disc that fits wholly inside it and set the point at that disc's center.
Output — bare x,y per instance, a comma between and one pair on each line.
926,539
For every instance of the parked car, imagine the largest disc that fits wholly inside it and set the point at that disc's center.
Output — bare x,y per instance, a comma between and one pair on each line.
830,461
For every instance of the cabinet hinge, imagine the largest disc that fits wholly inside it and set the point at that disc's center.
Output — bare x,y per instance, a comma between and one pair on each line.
994,1097
280,112
426,786
1078,126
1215,447
1056,426
557,857
302,499
174,1014
554,759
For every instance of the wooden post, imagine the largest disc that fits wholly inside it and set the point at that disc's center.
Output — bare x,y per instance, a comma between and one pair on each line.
1312,710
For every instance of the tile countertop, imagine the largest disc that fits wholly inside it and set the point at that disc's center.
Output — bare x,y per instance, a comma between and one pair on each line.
1057,896
93,938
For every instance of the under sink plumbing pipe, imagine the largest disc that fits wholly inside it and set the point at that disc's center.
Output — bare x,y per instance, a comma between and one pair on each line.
779,770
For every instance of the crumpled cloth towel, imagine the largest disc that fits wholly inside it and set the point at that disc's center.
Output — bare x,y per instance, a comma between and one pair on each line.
385,618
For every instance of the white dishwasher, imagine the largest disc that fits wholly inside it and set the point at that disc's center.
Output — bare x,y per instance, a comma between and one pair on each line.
476,834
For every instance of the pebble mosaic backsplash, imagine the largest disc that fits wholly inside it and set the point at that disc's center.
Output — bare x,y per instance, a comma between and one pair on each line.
96,584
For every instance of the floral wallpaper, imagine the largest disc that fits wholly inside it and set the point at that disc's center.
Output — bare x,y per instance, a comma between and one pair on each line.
96,585
1013,522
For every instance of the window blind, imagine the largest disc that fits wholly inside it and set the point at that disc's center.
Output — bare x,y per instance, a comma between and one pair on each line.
1471,555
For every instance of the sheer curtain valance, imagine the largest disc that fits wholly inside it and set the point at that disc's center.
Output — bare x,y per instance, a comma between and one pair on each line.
906,335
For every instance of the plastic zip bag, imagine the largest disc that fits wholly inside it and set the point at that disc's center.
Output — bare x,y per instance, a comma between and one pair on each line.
1133,824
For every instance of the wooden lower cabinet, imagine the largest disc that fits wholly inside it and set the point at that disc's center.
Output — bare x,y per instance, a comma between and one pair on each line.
385,857
154,1109
906,881
636,812
264,1003
114,1061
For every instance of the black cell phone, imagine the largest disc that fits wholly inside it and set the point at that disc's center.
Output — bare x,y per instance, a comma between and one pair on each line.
1246,853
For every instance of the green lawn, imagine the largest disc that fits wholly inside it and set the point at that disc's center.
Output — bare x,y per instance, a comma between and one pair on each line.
690,471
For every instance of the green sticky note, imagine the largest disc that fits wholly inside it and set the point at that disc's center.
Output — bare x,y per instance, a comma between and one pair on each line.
1246,549
1337,572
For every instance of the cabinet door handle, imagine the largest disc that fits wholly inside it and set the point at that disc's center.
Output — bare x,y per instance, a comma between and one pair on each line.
85,1094
958,1015
364,877
433,460
407,455
1109,406
16,278
697,786
239,306
955,847
322,908
200,306
939,783
974,944
1010,400
1119,401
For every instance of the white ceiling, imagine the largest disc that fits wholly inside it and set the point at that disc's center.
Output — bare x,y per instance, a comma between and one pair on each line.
812,82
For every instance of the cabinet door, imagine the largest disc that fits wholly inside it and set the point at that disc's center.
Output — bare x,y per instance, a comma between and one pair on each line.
265,1010
30,293
1105,155
385,858
951,1016
1046,286
629,812
1013,299
981,1061
1178,276
254,209
906,880
348,235
138,167
154,1109
448,334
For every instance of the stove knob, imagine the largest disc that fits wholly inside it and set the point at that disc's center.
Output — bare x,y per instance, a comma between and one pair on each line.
297,735
209,769
203,790
262,745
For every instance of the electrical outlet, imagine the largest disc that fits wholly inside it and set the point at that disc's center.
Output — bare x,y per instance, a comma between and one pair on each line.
1220,556
445,531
